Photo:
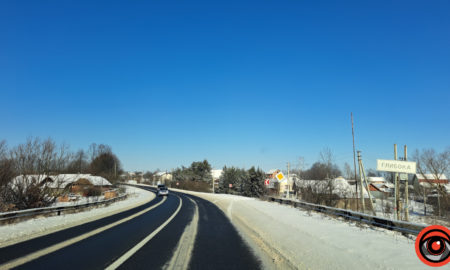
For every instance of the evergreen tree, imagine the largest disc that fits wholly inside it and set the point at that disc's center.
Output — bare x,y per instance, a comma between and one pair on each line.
236,177
201,171
255,183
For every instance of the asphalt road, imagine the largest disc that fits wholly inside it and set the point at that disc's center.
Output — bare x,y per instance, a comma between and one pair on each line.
178,231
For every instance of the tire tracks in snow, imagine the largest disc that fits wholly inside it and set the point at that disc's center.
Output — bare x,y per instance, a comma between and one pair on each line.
183,252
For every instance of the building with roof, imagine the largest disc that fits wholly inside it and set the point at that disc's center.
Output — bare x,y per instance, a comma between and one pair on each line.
379,187
163,177
431,181
339,187
216,174
62,182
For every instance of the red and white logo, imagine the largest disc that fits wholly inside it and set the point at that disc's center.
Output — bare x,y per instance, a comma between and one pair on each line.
267,182
433,245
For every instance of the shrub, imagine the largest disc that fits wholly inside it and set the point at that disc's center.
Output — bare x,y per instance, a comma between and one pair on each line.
92,191
193,185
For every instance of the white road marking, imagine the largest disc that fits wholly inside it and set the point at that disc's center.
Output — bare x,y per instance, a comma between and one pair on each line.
50,249
182,255
132,251
230,210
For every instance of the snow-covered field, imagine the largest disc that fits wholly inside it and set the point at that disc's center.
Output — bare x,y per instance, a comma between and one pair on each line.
32,228
286,237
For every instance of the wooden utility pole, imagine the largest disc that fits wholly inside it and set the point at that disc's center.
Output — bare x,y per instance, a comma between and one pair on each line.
361,166
363,206
406,188
354,163
396,186
288,178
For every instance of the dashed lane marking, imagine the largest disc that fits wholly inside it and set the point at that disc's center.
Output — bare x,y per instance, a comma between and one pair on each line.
132,251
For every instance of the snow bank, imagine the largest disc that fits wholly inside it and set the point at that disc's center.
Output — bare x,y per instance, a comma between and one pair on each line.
14,233
286,237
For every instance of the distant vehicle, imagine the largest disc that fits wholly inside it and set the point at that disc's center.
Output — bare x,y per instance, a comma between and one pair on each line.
161,186
163,191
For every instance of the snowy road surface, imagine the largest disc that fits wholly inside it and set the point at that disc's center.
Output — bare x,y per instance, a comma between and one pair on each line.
10,234
194,230
286,237
178,231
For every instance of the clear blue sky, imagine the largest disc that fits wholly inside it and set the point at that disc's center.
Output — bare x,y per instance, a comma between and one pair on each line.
239,83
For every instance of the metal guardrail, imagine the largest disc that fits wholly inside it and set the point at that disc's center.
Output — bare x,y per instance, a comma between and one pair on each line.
28,213
393,225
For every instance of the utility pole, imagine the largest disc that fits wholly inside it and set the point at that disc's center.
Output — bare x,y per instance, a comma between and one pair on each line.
363,206
288,179
367,185
361,165
354,163
406,188
397,212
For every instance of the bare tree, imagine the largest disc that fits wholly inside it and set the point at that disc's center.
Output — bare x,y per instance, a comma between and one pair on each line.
349,174
97,150
31,173
435,164
326,156
6,167
33,162
78,162
6,175
300,166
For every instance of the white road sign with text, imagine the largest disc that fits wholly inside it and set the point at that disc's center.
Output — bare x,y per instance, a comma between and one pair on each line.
396,166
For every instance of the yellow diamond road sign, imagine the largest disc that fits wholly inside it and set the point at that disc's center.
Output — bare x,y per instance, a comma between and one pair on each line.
280,176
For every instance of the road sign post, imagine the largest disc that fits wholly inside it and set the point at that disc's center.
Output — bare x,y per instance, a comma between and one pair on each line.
280,178
402,167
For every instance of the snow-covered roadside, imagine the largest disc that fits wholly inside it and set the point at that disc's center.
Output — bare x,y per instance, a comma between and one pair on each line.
287,237
18,232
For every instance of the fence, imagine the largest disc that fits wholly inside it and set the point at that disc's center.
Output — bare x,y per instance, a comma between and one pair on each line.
29,213
394,225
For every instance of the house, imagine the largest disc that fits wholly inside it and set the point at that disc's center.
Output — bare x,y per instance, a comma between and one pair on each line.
163,177
216,176
74,183
338,186
379,187
283,185
271,173
288,184
431,181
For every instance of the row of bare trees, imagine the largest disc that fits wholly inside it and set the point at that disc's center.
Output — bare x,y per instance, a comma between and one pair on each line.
435,168
24,167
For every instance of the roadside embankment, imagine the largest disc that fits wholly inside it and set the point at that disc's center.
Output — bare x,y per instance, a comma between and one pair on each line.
285,237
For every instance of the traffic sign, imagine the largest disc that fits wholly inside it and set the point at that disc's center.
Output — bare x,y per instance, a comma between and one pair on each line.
267,182
280,177
230,185
396,166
